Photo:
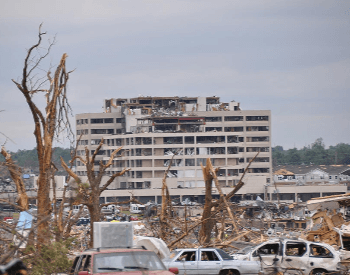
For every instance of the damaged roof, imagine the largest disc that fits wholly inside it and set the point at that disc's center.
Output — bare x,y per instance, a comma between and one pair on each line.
284,172
304,169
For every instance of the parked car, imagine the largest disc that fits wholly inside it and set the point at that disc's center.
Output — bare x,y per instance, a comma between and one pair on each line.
83,221
209,261
293,255
119,261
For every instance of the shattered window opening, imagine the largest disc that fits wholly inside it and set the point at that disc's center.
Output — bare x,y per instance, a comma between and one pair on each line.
233,129
318,251
187,256
233,118
209,256
267,249
295,249
213,119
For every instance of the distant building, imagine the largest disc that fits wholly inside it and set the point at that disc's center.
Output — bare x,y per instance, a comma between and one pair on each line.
303,182
152,129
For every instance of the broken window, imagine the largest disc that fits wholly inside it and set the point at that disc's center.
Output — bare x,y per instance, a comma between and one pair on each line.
221,173
99,153
188,128
209,256
210,139
189,140
232,172
190,162
257,118
257,139
83,132
138,174
165,128
172,151
213,129
187,256
108,120
319,251
202,161
232,139
296,249
102,131
258,170
257,128
189,151
137,141
233,118
118,142
267,249
232,150
147,184
139,163
233,129
147,140
173,140
96,120
259,159
172,174
147,152
213,119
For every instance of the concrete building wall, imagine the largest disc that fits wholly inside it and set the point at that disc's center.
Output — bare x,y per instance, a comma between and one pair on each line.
201,128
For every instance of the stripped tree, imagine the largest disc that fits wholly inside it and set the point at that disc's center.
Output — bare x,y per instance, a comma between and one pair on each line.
49,122
16,175
88,193
212,207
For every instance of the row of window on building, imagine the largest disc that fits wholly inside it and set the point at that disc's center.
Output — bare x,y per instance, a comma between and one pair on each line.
207,119
180,174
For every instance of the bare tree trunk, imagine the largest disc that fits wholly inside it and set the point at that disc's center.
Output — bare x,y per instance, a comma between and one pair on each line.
48,124
208,221
16,175
89,193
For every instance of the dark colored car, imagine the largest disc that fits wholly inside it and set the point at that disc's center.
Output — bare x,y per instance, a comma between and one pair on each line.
83,221
119,261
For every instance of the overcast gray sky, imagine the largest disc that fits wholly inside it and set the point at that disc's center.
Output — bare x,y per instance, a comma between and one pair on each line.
290,57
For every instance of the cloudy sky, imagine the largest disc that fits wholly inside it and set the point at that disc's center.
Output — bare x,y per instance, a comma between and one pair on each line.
290,57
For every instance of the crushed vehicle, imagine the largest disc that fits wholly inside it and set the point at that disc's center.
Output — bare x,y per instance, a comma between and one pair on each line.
209,261
119,261
293,256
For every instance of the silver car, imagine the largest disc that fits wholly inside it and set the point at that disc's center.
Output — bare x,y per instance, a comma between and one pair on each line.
209,261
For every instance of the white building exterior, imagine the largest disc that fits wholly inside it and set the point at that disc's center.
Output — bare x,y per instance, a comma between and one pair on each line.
152,129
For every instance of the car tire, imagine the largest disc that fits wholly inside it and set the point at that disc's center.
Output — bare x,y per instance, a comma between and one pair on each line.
229,272
318,272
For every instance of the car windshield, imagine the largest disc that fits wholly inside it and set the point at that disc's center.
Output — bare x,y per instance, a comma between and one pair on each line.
126,261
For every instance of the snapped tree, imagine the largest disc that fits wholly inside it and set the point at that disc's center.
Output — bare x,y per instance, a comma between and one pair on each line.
49,122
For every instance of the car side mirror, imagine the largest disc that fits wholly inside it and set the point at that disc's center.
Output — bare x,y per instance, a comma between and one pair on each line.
83,273
174,270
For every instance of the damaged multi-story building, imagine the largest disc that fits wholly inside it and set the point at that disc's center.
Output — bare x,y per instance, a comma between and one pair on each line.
152,129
